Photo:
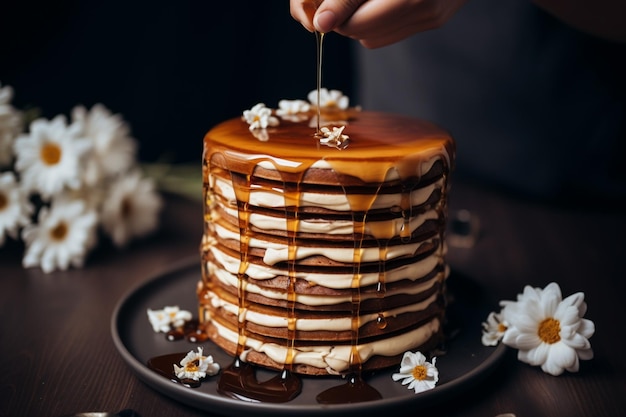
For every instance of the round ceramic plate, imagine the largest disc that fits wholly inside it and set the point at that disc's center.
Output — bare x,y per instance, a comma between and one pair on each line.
465,361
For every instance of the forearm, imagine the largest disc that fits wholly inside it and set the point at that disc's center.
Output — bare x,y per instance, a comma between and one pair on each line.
603,18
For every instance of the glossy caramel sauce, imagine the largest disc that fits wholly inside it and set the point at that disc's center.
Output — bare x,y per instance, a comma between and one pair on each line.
379,143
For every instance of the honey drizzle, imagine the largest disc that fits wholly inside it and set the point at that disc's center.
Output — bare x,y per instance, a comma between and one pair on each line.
319,38
355,389
205,286
241,185
291,196
310,7
239,379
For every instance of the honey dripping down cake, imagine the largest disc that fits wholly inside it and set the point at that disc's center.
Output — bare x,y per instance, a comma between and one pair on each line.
323,253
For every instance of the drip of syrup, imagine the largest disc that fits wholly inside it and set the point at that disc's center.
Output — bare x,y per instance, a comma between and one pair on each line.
310,7
320,46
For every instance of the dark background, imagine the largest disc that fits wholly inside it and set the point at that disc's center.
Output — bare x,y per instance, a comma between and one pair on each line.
171,69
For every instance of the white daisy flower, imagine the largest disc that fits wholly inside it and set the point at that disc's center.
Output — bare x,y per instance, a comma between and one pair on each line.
329,99
493,329
113,148
10,125
63,235
549,331
334,137
131,208
50,157
260,117
196,366
415,371
15,208
167,318
293,110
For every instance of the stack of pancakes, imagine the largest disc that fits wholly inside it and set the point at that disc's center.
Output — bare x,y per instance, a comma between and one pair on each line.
321,260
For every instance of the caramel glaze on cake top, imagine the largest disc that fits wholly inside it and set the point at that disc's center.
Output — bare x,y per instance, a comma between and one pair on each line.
386,154
384,141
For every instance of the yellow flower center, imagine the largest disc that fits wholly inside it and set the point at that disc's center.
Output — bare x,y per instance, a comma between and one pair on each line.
59,232
4,201
501,328
192,366
50,154
549,330
419,373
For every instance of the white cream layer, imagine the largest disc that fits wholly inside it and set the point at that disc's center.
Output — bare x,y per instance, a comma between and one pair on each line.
334,359
231,279
392,174
414,270
379,229
263,197
278,252
337,324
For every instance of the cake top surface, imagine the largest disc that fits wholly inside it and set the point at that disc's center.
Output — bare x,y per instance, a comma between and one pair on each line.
382,141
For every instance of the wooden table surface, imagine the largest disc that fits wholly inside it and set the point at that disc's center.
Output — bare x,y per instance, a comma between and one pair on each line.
57,355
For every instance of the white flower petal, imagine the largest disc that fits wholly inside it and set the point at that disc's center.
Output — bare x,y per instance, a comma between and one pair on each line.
538,355
587,328
585,354
568,316
562,356
131,208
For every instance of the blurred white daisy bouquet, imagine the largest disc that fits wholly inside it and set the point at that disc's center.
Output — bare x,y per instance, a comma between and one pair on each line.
65,183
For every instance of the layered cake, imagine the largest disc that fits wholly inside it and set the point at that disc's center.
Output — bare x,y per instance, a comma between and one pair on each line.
323,250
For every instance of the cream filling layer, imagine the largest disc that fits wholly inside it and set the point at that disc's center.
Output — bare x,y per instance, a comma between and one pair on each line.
334,359
414,270
278,252
274,198
392,174
232,280
307,324
381,230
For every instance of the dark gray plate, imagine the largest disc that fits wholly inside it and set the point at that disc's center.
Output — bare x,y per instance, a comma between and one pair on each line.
466,360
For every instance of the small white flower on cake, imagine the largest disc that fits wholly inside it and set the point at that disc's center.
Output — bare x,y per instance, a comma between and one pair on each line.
416,372
334,137
329,99
10,125
15,208
131,208
493,329
167,318
64,233
549,331
260,117
293,110
196,366
50,157
113,148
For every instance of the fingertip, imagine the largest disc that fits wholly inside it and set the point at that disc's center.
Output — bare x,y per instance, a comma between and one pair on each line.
325,21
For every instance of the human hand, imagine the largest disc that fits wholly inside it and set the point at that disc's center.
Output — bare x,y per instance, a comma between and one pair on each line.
374,23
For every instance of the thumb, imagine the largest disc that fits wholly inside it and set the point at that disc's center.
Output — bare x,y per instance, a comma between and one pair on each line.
333,13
